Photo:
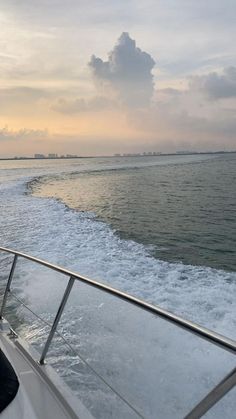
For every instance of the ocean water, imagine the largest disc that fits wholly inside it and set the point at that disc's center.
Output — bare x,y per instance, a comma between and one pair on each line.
185,212
160,228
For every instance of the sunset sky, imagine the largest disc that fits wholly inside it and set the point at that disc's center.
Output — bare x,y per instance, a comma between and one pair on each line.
103,77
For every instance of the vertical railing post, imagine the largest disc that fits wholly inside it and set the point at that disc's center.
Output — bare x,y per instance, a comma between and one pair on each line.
218,392
57,319
7,289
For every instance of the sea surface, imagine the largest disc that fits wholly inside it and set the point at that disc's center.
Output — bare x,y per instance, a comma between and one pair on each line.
162,228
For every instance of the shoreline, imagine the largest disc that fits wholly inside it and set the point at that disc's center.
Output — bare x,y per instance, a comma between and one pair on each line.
121,156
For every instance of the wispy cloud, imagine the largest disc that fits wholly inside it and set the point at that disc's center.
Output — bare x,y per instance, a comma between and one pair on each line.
7,134
71,107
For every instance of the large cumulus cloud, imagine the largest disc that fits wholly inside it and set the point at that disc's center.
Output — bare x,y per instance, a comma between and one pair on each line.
128,70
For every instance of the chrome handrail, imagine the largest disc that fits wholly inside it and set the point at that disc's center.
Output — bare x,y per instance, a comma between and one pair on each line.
202,332
215,338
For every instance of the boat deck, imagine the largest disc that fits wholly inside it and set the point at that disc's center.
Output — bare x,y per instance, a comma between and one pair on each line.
38,397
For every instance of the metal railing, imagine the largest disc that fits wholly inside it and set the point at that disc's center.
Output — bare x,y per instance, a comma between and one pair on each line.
215,338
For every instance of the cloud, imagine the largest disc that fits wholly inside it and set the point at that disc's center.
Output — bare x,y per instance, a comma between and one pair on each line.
14,99
96,104
22,93
183,127
22,134
26,101
170,91
128,71
215,85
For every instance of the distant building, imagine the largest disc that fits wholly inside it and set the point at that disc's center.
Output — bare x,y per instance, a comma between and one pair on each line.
52,156
39,156
149,153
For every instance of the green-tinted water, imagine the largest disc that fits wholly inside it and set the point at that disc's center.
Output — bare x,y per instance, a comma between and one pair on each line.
185,211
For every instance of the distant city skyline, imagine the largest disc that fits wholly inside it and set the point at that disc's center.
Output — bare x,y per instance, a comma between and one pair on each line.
56,156
100,78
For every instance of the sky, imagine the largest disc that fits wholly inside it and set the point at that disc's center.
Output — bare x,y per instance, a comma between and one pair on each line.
103,77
